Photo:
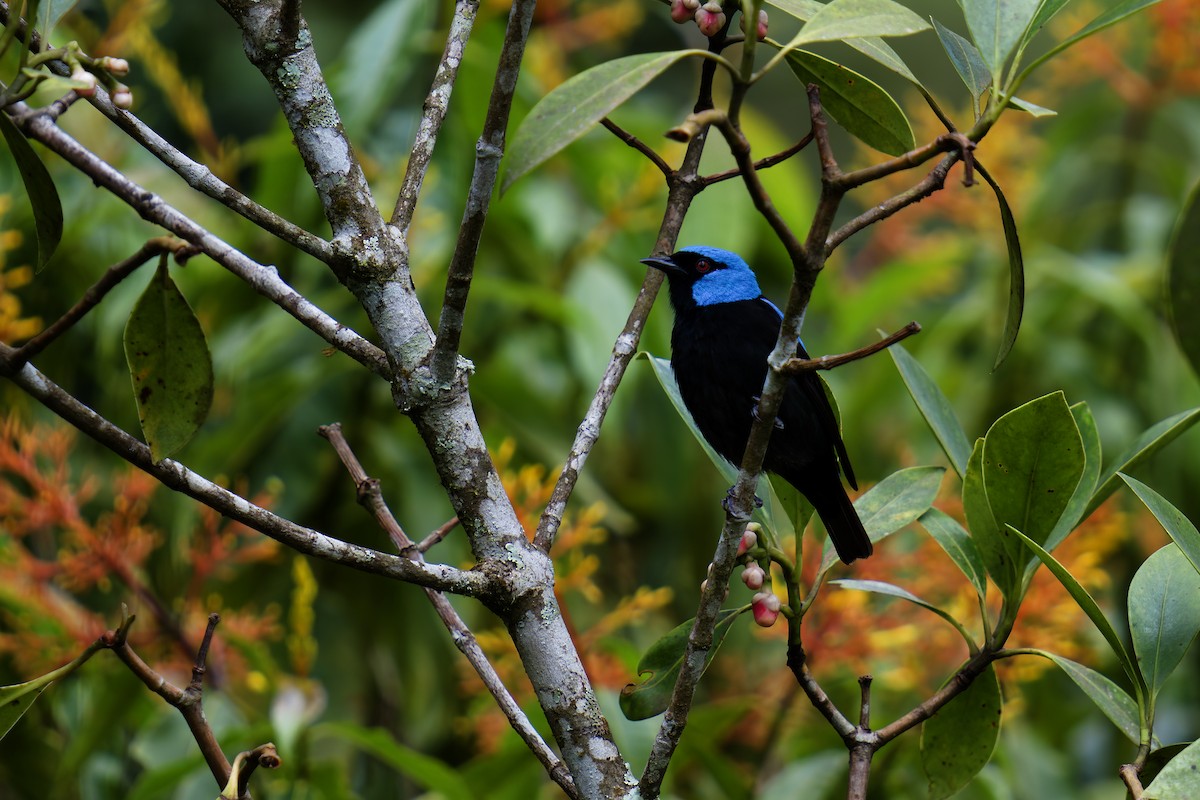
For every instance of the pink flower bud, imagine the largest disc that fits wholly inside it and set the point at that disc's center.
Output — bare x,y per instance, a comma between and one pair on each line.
122,97
760,29
765,608
710,18
680,12
88,81
115,66
749,542
753,576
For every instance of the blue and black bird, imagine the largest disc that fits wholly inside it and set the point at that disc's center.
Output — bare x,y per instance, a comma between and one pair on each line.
724,331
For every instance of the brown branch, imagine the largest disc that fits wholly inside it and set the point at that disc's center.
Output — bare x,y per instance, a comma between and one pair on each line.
762,163
371,498
637,144
797,365
952,141
441,532
112,276
1129,775
246,762
864,709
798,664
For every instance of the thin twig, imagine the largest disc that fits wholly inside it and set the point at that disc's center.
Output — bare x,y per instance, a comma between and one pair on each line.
864,706
797,365
762,163
370,496
952,141
441,532
488,152
637,144
247,761
111,277
433,114
798,664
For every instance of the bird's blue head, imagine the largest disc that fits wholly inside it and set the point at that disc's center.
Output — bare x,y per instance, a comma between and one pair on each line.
707,276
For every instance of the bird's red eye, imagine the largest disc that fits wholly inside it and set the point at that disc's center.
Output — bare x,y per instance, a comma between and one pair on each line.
703,265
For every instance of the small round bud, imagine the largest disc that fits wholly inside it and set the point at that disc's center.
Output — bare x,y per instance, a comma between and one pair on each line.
749,542
122,97
754,576
765,607
710,18
760,29
115,66
680,12
87,81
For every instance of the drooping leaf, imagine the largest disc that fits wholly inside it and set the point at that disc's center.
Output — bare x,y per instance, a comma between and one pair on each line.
1090,607
892,590
1150,442
1178,527
850,19
1183,279
1032,108
894,502
663,661
39,186
567,112
855,102
1032,461
432,773
1016,273
1073,514
958,544
1112,700
169,364
1179,779
871,46
957,742
997,27
17,698
1164,613
934,407
966,60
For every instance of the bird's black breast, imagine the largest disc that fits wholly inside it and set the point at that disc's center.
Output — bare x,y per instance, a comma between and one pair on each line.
719,356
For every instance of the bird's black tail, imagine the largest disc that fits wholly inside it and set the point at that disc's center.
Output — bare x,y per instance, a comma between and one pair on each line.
841,520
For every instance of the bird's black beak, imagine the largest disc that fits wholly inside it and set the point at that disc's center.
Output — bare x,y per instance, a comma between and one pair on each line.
665,263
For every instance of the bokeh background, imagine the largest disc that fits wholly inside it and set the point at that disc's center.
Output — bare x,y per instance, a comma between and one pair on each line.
352,676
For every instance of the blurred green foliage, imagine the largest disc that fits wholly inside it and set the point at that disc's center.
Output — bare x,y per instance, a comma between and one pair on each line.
1095,191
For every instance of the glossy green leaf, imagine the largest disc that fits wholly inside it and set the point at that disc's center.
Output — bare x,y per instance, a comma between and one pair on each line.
1032,461
1183,279
1179,779
855,102
897,500
1112,700
849,19
567,112
989,538
39,186
871,46
892,590
1047,11
1150,442
966,60
934,407
169,364
1164,613
380,52
957,543
958,741
663,661
1032,108
793,505
50,12
1073,514
997,27
1089,606
434,774
1178,527
1016,273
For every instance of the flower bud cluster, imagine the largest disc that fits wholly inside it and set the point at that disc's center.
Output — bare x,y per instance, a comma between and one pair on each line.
765,608
710,17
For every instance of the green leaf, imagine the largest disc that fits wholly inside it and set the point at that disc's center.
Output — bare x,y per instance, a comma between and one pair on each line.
47,209
966,60
1178,527
1016,273
169,365
849,19
1164,613
891,590
985,532
50,12
896,501
793,505
997,27
16,699
1047,11
1150,442
1111,17
377,58
1112,700
1183,279
1032,108
812,778
1073,514
871,46
663,661
934,406
1089,606
957,742
566,113
1179,779
433,774
957,543
1032,461
855,102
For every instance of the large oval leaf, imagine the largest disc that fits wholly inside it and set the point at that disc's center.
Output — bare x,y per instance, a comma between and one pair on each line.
169,364
851,19
1183,279
1179,779
47,209
570,109
997,26
1073,514
958,741
871,46
966,60
999,559
855,102
1164,613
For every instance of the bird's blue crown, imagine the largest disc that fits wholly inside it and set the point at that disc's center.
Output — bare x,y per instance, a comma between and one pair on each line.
729,285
